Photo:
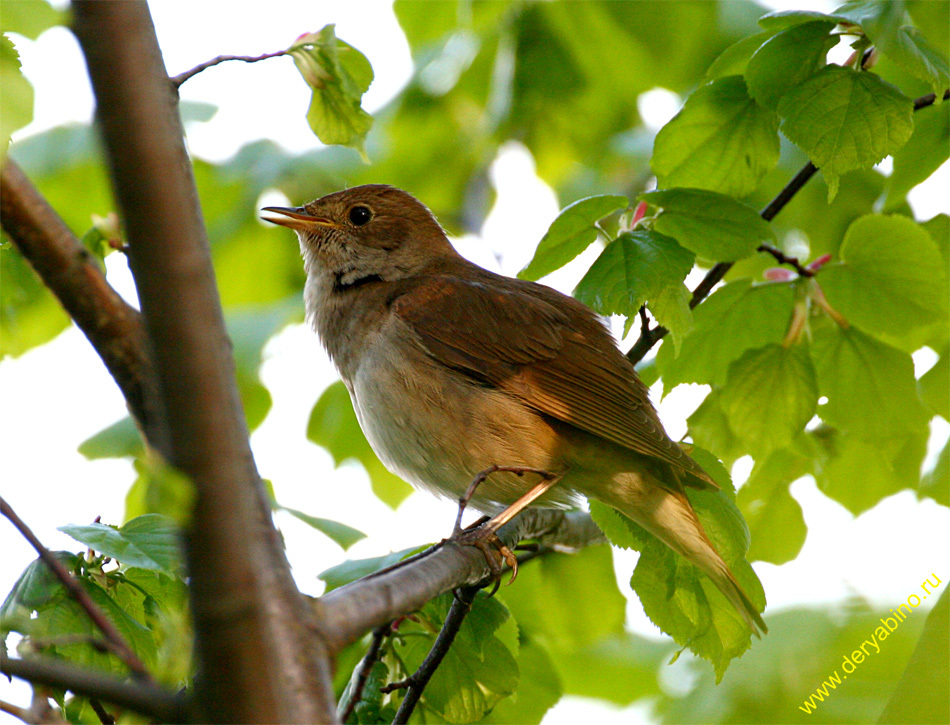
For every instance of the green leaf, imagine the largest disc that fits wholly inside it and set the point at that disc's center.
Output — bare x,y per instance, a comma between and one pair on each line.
29,313
671,309
927,149
635,267
477,671
736,317
150,541
36,585
352,569
333,425
539,688
768,507
119,440
160,489
721,140
16,104
709,428
858,473
570,234
935,483
734,59
889,27
30,18
846,120
714,226
782,19
618,529
339,75
769,396
788,59
870,386
342,534
891,281
934,386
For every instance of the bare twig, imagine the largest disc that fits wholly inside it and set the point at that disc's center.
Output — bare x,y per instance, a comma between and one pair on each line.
365,667
417,681
104,717
182,77
782,258
21,713
67,268
117,644
142,697
649,337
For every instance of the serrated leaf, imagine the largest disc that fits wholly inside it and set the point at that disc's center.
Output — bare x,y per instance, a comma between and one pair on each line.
340,533
891,280
927,149
889,27
736,317
846,120
570,234
339,75
769,396
333,425
712,225
150,541
721,140
787,59
768,507
635,267
36,585
870,385
619,530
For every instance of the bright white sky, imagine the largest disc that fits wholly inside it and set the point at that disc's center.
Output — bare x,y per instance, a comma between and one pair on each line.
56,396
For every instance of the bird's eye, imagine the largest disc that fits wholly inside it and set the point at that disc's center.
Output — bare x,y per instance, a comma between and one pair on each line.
359,215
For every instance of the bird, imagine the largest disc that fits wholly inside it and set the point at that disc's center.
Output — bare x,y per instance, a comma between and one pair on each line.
454,370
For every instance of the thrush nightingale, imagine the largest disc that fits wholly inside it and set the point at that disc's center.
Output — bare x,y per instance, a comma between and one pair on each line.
453,369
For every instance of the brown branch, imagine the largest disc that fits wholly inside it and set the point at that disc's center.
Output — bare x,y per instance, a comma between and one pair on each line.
649,337
782,258
365,667
142,697
104,716
116,642
256,642
68,269
417,681
182,77
356,608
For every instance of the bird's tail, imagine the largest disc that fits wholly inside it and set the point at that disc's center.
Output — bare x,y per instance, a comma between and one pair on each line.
668,515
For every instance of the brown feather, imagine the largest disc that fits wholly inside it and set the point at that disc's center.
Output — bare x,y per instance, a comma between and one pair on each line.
574,374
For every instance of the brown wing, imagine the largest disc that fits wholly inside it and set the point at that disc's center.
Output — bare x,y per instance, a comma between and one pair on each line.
544,348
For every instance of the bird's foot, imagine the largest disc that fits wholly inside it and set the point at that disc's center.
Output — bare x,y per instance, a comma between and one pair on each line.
496,552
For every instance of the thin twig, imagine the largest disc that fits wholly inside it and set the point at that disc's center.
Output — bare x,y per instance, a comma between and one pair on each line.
649,337
416,683
117,644
366,666
182,77
781,258
104,717
142,697
21,713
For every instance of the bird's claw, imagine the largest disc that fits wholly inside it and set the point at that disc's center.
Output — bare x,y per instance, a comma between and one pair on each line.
495,551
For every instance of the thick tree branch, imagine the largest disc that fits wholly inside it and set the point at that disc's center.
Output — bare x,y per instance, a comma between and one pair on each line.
259,658
115,641
649,337
113,327
151,700
352,610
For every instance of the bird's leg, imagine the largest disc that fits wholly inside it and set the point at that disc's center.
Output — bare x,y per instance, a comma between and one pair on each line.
483,535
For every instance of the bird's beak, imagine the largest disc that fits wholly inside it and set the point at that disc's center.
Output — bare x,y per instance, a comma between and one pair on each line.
296,218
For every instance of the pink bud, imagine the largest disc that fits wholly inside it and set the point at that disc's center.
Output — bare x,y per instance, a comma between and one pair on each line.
639,213
778,274
819,263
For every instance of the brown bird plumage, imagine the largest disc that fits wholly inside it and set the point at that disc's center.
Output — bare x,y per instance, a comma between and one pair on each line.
453,369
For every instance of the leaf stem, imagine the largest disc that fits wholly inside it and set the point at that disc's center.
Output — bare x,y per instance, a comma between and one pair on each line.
182,77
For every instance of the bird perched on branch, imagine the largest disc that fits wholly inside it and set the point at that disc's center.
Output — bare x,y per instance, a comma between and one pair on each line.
453,369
